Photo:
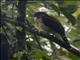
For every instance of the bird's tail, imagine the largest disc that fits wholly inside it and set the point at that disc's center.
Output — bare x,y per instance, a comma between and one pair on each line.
65,40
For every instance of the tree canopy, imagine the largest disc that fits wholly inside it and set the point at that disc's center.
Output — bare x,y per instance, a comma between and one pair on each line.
21,38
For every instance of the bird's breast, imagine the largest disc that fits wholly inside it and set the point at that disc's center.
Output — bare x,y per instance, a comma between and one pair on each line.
40,26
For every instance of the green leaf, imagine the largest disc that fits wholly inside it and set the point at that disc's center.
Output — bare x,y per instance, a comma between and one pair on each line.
55,8
68,15
40,54
71,9
73,57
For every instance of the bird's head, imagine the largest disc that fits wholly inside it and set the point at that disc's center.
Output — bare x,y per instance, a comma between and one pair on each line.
40,14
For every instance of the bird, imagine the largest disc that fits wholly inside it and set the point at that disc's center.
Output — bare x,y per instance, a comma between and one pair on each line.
50,24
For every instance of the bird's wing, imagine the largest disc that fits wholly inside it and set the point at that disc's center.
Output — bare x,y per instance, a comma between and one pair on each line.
53,24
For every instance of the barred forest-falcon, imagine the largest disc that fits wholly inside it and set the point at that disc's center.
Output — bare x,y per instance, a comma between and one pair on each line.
50,24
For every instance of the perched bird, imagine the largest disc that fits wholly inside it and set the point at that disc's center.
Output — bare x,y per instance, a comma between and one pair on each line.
50,24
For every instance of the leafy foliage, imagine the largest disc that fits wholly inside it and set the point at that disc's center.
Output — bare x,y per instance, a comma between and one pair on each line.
32,45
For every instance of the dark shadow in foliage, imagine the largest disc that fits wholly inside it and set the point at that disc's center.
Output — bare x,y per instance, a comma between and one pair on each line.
4,47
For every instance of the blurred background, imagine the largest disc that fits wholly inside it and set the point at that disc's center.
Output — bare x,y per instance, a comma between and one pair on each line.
20,44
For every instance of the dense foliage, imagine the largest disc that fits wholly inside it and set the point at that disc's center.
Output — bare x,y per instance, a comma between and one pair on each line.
21,39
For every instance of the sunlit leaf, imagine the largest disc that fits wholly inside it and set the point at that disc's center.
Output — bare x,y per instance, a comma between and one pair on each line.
70,17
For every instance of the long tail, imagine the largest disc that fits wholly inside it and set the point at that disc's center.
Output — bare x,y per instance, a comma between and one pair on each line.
65,40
